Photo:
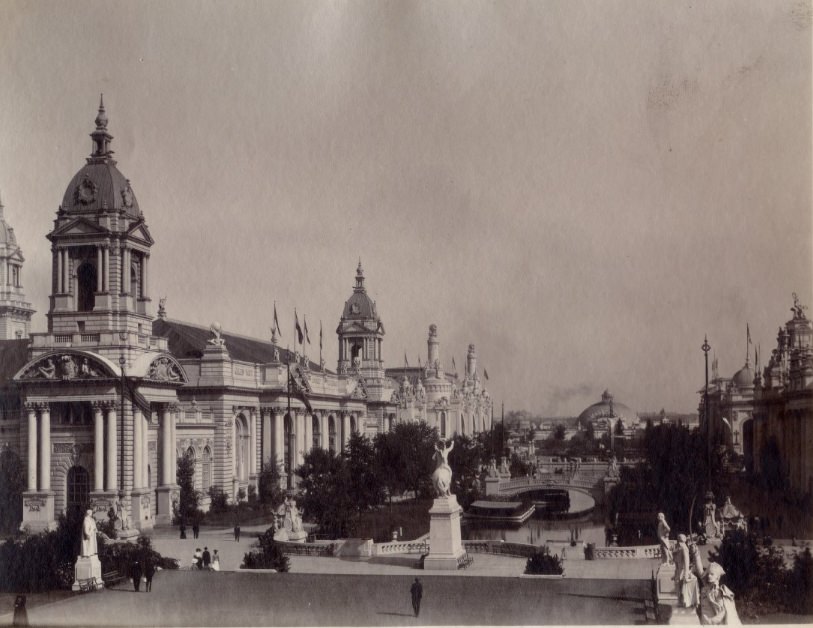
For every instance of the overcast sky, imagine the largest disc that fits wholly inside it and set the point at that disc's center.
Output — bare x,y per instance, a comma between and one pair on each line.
583,190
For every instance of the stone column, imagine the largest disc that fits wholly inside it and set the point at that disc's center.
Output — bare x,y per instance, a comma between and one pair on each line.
146,285
324,440
345,430
138,455
166,435
32,447
173,455
145,450
99,269
112,449
98,448
299,429
252,442
66,270
265,416
45,448
106,258
279,437
58,287
308,420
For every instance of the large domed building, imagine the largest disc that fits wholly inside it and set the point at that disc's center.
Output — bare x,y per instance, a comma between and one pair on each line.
605,414
100,407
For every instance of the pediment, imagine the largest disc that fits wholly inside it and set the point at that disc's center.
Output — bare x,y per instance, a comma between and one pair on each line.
79,227
67,365
140,233
165,368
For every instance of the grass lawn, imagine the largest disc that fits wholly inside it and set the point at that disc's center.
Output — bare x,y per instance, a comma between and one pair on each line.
410,515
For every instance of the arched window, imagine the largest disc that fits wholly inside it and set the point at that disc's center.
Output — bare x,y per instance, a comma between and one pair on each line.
149,475
352,424
443,425
207,469
86,287
317,431
78,488
190,455
331,433
462,424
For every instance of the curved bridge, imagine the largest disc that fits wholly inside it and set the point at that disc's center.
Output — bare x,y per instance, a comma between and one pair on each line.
591,483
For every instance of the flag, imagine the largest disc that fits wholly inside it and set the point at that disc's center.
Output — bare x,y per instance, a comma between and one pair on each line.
454,366
748,332
419,361
485,373
307,335
320,335
298,327
406,362
276,320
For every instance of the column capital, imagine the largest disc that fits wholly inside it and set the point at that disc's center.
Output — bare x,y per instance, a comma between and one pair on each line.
280,410
108,404
31,405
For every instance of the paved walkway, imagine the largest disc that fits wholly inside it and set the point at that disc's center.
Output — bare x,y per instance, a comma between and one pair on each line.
183,598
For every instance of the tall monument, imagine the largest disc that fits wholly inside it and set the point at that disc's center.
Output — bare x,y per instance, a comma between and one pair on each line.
445,541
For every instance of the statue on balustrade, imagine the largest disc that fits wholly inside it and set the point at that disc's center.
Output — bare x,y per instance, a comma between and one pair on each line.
663,539
442,475
686,583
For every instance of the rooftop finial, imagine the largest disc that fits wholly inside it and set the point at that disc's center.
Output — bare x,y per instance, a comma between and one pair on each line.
359,277
101,118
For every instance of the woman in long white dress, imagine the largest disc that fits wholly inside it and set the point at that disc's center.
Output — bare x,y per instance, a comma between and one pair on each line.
215,562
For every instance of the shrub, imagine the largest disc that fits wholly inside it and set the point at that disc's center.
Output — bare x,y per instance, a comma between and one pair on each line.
220,501
542,562
269,554
120,556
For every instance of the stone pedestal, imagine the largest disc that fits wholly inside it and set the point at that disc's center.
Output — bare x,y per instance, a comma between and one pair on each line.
667,591
445,542
140,515
38,511
166,495
492,486
101,502
87,567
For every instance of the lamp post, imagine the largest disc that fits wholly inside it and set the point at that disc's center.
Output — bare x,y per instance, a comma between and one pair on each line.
122,363
706,347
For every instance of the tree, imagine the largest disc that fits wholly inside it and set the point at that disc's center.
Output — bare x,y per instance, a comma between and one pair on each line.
406,457
367,488
188,499
518,468
466,459
559,432
326,492
12,483
269,491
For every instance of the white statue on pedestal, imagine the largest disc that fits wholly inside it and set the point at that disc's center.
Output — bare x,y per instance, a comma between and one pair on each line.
442,476
89,547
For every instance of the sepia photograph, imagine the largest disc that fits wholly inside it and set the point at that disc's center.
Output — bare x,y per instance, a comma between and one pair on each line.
406,312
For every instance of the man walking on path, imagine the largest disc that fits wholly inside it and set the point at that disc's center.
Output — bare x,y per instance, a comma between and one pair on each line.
237,532
207,558
149,572
136,575
417,594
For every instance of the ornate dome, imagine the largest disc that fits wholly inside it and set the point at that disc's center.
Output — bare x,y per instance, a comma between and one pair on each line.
359,305
607,408
99,185
744,378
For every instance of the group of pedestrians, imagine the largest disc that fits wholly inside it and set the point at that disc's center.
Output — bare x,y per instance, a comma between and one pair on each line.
142,569
205,560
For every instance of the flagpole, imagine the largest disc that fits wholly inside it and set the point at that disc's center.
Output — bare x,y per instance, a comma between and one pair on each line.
502,435
290,418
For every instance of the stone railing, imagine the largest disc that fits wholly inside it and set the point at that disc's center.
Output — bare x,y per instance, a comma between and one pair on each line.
637,552
308,549
500,547
400,547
